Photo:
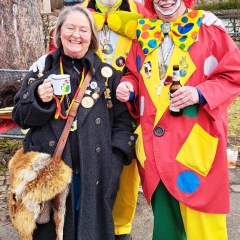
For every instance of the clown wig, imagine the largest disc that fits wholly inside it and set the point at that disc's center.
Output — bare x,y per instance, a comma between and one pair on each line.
149,5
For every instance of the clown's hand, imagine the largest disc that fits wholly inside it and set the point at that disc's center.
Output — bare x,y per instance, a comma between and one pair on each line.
123,91
39,64
211,19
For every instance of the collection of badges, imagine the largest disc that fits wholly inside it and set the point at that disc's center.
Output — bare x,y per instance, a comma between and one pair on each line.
93,94
165,80
163,66
107,47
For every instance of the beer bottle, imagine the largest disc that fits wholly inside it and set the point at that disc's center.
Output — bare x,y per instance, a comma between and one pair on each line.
173,87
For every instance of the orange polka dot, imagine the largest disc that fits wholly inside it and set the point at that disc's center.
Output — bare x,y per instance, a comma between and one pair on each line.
193,14
157,35
145,35
146,26
194,35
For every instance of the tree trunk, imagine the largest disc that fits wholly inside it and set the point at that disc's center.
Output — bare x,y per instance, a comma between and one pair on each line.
21,33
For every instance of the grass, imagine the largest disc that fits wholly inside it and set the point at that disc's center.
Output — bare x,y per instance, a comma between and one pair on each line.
234,124
7,149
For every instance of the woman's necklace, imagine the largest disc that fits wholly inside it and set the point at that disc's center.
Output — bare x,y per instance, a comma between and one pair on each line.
59,102
165,56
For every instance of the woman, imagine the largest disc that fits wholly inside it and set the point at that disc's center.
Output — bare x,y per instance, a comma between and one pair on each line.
102,131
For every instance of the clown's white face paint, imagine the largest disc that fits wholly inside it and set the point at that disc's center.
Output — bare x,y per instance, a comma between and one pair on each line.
107,3
169,10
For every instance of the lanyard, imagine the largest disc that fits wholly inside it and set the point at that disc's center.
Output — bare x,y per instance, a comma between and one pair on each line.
59,102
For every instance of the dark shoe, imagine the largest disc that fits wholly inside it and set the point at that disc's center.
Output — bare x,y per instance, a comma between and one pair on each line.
123,237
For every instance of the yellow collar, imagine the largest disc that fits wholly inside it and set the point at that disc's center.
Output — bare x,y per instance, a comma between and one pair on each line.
112,8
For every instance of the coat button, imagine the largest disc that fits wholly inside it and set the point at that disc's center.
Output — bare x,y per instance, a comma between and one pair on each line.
98,149
158,131
132,138
129,143
31,80
25,95
51,143
98,120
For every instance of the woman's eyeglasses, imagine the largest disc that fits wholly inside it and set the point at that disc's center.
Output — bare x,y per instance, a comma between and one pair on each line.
71,29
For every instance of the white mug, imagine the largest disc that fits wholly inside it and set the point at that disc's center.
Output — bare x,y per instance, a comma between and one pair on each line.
61,84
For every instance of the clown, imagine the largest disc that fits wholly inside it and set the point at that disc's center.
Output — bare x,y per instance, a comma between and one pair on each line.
125,205
182,160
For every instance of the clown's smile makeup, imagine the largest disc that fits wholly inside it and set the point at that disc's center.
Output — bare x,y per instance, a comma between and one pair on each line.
169,10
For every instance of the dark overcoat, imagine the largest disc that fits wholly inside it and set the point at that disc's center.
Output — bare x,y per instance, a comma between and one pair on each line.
105,138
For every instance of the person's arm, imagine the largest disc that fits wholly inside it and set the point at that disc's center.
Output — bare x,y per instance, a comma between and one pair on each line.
130,81
39,65
29,110
222,85
202,99
211,19
123,138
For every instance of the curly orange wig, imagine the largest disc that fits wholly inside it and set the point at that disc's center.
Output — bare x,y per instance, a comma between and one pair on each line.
149,5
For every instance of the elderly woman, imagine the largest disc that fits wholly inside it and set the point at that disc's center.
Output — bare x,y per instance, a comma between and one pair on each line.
101,135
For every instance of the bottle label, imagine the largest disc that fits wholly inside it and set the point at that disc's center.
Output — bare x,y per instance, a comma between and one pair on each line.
171,107
176,76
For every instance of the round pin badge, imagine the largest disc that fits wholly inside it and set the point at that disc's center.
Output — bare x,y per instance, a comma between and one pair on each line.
183,72
106,72
165,27
97,89
95,95
88,92
87,102
93,85
120,61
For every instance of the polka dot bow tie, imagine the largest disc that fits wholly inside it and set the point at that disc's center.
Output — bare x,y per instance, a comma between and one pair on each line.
183,31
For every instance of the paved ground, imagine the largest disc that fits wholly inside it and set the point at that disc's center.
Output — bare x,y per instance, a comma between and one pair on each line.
142,225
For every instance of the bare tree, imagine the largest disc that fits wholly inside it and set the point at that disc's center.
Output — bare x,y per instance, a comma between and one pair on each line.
21,33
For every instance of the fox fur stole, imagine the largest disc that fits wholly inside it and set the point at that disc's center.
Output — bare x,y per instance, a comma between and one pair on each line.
35,178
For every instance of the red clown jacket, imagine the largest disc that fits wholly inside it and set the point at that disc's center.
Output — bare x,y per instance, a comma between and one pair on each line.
187,153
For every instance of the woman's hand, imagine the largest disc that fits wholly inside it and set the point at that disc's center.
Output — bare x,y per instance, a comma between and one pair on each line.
185,96
45,91
123,91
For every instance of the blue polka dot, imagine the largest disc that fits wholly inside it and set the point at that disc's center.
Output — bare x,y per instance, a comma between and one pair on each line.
184,19
183,39
152,43
142,21
138,33
199,21
145,51
152,28
188,48
188,182
186,28
138,62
